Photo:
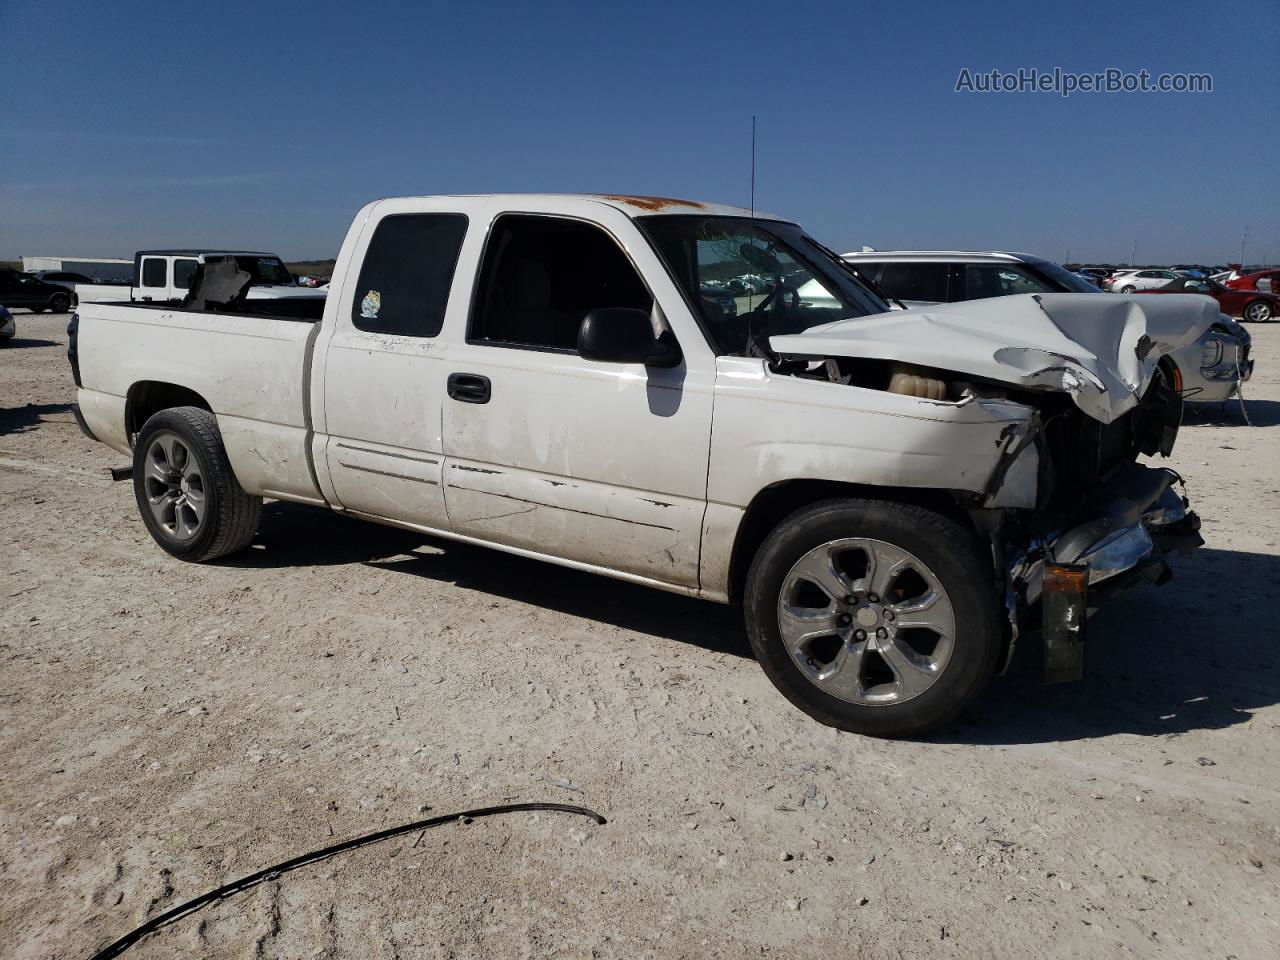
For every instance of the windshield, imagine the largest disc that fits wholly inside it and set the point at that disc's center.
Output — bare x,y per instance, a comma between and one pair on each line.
1073,282
264,270
752,279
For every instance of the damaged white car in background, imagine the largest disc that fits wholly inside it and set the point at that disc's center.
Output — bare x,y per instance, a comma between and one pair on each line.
891,497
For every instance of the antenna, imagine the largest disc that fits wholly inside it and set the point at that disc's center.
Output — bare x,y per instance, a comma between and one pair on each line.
753,166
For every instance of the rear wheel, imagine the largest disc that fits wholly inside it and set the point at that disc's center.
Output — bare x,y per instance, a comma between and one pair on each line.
187,494
60,303
874,617
1258,312
1129,289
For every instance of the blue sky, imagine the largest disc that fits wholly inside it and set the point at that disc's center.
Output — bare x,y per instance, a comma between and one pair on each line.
133,125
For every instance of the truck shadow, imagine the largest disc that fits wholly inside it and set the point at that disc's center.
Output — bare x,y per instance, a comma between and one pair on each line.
1262,413
18,343
292,535
28,416
1200,653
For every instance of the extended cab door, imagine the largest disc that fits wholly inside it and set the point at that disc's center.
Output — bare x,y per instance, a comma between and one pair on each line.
153,278
383,379
599,463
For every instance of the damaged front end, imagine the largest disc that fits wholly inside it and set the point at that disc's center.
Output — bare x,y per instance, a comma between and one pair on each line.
1072,516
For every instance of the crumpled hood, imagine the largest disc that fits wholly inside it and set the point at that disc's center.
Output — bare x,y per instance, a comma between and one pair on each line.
1101,348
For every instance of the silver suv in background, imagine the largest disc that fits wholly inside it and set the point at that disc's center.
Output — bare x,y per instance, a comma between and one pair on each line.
1210,370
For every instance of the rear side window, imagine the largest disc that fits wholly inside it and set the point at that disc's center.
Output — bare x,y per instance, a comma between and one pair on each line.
182,271
915,281
868,271
153,271
407,271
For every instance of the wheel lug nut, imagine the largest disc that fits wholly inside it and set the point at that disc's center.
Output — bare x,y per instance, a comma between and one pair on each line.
844,619
860,635
888,614
882,633
851,599
873,598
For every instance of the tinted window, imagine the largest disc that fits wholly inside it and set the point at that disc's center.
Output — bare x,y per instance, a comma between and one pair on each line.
406,274
915,281
868,271
182,271
542,275
153,272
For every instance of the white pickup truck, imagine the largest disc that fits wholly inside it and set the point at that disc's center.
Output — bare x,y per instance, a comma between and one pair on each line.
165,275
891,497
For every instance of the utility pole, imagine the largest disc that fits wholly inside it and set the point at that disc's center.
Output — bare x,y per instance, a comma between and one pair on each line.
1244,236
1133,254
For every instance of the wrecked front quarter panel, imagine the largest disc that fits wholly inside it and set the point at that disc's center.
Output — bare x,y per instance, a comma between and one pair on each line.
771,428
1101,349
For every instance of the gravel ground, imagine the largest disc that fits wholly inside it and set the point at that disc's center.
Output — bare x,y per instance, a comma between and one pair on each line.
168,727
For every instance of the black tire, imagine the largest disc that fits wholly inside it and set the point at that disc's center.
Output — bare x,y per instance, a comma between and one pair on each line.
37,309
60,303
1129,289
1261,310
953,556
230,516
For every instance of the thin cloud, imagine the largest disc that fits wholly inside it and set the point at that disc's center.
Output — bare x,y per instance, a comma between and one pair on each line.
88,136
91,183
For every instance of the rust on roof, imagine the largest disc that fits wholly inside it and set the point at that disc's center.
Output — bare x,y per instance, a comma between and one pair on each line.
652,204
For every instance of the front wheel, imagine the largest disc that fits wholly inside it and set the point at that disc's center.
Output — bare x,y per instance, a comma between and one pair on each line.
1258,312
187,494
874,617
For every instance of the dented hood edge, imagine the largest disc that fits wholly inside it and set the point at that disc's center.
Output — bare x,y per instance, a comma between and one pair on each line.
1101,348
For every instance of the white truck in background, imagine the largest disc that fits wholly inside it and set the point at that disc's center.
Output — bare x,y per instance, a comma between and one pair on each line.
892,496
165,275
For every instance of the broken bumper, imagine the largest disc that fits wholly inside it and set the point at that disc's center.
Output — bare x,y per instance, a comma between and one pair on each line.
1141,521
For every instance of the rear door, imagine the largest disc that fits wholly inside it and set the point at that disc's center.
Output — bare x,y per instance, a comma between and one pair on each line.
384,381
599,463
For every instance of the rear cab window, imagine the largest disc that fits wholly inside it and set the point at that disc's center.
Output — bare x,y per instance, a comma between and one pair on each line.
407,271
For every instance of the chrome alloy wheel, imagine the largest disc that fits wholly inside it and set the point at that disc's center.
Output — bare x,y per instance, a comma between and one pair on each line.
175,487
866,621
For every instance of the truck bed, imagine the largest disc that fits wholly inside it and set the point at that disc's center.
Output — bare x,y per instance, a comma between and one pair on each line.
253,369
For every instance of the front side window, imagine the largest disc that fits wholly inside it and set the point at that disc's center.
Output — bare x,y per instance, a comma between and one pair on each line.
983,280
407,271
781,281
182,272
153,272
542,275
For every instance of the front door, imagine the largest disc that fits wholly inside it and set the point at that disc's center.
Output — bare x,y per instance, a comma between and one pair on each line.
599,463
383,380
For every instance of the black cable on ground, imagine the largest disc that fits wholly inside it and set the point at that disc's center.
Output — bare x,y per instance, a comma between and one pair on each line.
253,879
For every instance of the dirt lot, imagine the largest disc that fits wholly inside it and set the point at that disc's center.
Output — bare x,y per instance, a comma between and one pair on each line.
167,727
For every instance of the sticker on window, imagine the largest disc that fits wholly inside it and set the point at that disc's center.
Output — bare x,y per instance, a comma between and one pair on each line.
370,305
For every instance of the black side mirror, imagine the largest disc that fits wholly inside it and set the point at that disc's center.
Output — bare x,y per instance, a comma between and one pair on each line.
625,335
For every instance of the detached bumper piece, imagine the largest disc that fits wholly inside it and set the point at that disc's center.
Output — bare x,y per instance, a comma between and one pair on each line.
1140,521
1064,598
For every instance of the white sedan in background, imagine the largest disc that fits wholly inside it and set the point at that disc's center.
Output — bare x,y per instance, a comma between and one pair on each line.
1130,281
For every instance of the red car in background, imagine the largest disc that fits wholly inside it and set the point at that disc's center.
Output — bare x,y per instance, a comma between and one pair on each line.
1268,281
1255,305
